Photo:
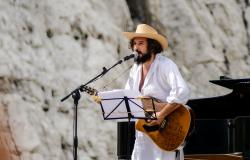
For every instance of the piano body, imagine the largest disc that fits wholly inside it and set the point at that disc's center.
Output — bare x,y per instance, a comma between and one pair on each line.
222,126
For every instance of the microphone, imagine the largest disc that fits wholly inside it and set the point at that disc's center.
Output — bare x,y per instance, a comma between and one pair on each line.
133,55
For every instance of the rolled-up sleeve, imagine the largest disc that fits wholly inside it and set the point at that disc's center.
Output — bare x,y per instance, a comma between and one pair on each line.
179,91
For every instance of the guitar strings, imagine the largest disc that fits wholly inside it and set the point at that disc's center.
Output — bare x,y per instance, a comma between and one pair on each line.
119,76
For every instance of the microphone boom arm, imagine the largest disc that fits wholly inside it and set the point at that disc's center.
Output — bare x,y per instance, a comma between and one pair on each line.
80,88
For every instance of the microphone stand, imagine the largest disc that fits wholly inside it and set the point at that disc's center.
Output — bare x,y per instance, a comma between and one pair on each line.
76,96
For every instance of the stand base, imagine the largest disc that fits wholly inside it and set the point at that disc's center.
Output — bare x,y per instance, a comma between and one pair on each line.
123,138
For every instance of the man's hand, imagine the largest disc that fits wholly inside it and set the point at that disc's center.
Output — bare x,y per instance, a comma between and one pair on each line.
158,121
97,99
166,110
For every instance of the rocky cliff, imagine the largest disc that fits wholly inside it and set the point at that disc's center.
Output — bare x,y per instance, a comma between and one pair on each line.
48,48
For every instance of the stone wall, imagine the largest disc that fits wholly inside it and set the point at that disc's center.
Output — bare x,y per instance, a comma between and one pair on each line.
48,48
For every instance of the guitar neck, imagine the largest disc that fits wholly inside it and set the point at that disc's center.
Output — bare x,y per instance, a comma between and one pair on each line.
91,91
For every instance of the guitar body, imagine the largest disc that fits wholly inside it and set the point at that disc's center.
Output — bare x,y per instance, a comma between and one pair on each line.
175,131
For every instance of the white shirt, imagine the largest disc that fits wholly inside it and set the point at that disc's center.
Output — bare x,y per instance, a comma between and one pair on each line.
165,83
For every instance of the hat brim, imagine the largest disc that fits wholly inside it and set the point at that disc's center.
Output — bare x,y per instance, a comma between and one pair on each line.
162,40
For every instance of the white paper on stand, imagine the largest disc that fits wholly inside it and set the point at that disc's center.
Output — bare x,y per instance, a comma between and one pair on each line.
109,103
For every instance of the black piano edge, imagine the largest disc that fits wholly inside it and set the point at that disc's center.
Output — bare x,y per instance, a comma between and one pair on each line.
230,83
226,106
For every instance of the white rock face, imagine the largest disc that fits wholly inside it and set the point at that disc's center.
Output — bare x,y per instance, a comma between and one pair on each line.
48,48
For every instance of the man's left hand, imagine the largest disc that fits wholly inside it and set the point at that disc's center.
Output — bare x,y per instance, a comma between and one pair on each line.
158,121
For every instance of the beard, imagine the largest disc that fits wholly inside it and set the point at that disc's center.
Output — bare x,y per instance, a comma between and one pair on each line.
143,58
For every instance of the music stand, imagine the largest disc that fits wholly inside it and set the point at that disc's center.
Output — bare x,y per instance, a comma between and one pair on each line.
117,104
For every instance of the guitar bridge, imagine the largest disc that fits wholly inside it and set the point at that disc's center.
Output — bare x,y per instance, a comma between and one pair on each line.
151,128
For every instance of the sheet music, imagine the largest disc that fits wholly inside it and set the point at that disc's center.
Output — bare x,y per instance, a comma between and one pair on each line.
110,100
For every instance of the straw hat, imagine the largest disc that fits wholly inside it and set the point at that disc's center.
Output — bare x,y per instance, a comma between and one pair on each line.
144,30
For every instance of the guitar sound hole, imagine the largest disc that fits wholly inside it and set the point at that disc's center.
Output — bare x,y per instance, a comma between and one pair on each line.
151,128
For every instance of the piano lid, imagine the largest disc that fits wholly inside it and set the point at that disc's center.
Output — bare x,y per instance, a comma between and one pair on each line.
229,82
228,106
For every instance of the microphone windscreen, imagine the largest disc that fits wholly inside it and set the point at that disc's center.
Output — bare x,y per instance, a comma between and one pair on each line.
135,55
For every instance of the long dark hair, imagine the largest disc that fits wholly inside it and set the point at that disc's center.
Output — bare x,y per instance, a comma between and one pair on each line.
153,46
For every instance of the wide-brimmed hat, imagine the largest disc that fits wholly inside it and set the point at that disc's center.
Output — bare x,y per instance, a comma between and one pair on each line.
144,30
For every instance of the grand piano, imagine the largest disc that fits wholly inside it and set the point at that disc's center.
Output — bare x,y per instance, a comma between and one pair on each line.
221,125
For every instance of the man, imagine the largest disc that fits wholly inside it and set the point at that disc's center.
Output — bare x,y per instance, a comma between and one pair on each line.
156,76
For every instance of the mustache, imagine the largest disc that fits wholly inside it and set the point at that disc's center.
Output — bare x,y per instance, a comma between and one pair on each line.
139,52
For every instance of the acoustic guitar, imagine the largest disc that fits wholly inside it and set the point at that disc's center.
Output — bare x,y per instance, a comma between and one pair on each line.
170,134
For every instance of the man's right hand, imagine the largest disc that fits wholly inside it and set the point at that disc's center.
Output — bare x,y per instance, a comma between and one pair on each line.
97,99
